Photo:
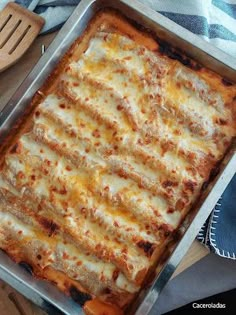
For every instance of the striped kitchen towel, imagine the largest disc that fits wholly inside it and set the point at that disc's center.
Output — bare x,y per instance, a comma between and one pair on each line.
219,231
215,22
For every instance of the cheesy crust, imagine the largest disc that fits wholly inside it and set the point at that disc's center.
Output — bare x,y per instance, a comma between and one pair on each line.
114,156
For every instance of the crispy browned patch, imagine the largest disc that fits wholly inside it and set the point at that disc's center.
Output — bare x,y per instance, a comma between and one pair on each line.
16,148
167,228
147,247
49,225
169,183
189,185
115,274
227,82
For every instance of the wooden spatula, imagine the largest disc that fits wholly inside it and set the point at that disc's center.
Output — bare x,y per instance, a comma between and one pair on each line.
18,29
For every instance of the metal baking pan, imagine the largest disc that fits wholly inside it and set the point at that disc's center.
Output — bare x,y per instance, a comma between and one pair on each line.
42,292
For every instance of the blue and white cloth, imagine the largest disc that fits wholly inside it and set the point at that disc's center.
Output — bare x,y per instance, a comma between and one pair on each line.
219,231
215,22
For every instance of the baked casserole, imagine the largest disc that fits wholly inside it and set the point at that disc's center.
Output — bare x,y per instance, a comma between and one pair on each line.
115,151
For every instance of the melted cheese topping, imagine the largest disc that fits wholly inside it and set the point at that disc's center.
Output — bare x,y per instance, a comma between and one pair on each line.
116,156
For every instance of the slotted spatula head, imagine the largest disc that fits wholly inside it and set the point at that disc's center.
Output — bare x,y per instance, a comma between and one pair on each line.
18,29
